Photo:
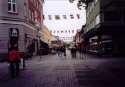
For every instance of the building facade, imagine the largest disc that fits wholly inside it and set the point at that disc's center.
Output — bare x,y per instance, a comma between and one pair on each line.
46,35
105,26
24,15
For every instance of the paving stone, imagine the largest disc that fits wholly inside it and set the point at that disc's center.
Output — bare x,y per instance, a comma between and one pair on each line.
55,71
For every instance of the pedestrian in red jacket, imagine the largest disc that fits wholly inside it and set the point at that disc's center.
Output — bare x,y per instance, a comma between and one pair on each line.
14,59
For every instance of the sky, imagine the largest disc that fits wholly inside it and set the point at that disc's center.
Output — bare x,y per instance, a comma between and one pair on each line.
63,7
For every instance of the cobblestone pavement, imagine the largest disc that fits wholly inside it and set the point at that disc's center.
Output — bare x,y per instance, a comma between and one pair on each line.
54,71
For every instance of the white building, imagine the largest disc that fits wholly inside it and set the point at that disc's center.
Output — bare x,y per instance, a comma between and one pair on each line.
63,18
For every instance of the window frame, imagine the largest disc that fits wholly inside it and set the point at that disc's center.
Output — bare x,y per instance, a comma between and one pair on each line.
12,3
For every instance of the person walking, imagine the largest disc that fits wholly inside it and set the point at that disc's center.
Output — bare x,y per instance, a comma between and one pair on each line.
72,52
24,57
64,50
14,60
58,51
40,53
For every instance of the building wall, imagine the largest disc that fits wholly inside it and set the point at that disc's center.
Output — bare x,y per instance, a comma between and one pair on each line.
35,10
93,15
21,20
5,14
111,21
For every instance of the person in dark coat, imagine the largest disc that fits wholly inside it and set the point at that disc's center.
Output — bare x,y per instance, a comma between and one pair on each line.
64,50
72,52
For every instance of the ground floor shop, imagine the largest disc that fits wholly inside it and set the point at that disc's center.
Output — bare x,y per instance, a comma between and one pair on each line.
106,40
27,41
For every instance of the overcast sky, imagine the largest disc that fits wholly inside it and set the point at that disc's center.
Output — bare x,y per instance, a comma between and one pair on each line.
63,7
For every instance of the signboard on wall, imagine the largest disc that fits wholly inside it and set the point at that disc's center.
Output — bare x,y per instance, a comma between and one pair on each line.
14,32
13,35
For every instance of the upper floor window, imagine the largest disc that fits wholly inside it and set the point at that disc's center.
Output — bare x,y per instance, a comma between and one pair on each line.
96,1
97,21
12,6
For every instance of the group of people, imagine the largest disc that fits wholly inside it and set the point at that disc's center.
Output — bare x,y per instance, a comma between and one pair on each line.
74,51
14,58
61,51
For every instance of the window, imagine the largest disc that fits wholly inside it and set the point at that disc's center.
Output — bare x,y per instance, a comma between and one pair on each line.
96,1
12,6
29,14
32,16
97,19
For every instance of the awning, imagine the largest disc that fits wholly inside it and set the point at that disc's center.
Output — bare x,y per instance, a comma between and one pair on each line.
90,33
43,44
